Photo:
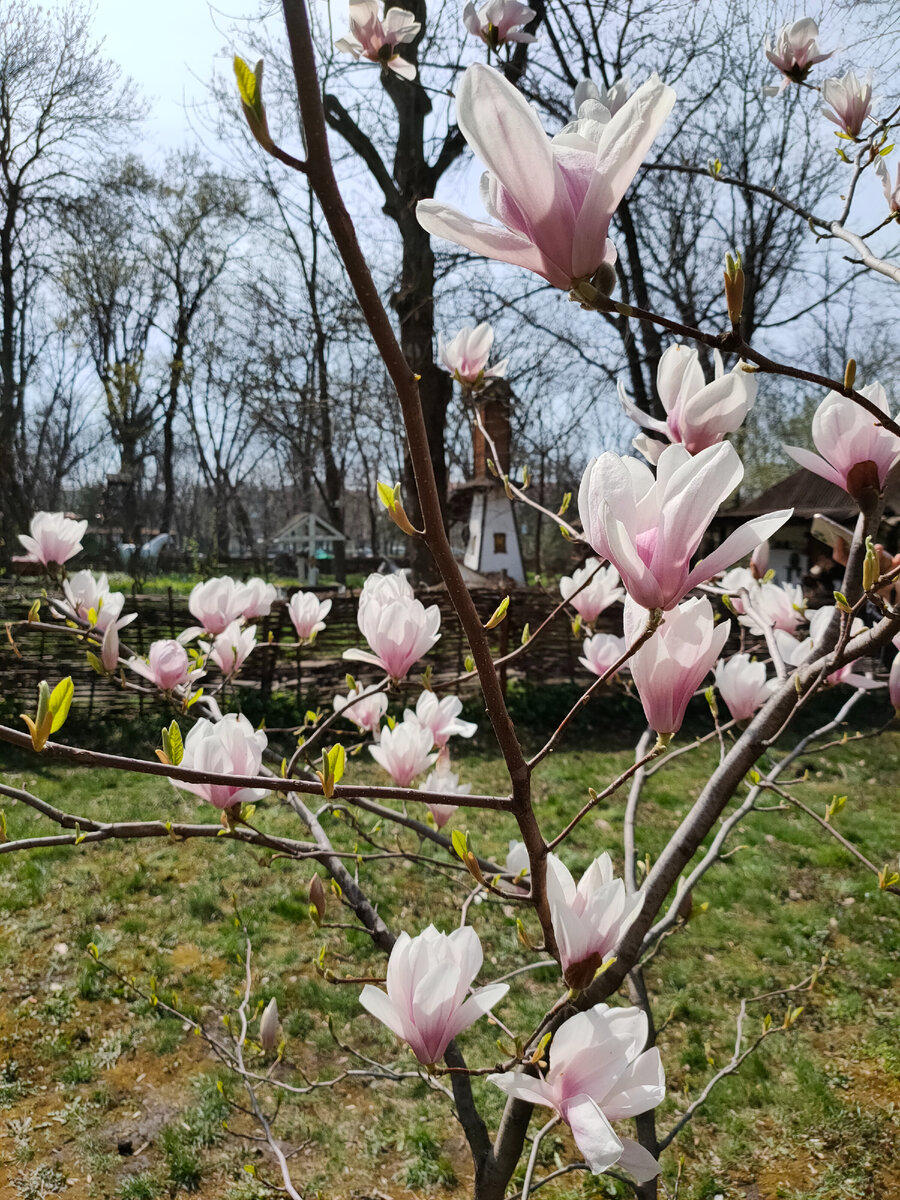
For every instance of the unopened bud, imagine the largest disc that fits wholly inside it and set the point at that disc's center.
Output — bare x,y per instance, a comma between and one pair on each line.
316,899
871,566
269,1026
734,289
850,373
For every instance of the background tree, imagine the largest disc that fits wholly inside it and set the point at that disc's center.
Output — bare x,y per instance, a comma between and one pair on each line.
60,100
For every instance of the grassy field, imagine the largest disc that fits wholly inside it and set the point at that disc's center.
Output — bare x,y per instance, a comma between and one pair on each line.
88,1071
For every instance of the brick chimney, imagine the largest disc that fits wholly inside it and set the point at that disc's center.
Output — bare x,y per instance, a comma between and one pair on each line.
494,411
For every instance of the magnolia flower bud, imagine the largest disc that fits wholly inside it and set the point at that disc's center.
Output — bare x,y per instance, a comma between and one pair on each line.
270,1026
316,899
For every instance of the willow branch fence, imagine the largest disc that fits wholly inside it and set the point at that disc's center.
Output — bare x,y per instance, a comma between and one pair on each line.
310,674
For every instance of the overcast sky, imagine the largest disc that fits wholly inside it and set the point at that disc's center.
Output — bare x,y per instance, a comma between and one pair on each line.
169,48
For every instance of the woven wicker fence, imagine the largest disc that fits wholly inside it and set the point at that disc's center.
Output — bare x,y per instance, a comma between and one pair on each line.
276,665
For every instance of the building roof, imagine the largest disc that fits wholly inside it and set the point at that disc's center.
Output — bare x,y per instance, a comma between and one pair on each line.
807,494
324,531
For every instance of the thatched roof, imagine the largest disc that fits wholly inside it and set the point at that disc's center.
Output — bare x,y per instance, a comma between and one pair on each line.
808,494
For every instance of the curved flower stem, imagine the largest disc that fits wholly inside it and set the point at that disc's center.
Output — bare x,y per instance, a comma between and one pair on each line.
553,742
532,1157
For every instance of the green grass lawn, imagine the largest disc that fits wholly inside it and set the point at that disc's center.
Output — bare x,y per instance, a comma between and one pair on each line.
86,1068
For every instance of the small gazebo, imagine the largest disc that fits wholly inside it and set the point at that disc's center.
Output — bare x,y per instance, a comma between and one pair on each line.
307,538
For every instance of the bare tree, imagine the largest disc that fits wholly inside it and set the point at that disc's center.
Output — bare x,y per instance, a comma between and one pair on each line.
60,101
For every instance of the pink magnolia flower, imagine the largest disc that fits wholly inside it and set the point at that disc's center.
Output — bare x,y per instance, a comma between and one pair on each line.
398,628
850,100
596,597
650,528
231,647
308,613
377,38
258,598
466,354
428,977
404,752
86,595
602,651
53,538
599,1072
109,647
227,747
442,779
795,652
365,713
440,717
611,98
588,920
735,581
775,606
672,664
216,603
499,21
891,191
855,452
742,684
759,561
518,863
894,677
553,198
167,665
795,53
698,414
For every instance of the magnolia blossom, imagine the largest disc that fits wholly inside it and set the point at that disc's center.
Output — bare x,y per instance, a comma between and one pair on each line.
466,354
404,752
891,191
742,684
735,581
894,678
611,98
599,1072
365,713
759,561
231,647
518,863
850,100
775,606
87,594
597,595
669,667
855,452
795,652
308,613
795,53
52,538
602,651
442,779
258,598
553,199
109,648
428,977
650,528
398,627
440,717
167,665
216,603
698,414
226,747
499,21
377,38
589,919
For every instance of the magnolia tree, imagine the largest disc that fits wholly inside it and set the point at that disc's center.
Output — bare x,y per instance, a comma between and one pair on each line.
590,1061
